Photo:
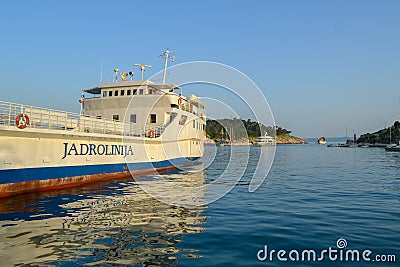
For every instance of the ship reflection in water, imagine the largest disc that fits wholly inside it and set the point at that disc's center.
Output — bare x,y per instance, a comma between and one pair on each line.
100,224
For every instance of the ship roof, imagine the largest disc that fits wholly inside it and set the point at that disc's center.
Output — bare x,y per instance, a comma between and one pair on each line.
137,83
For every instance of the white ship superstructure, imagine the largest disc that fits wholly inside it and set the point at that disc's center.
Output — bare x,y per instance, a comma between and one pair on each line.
125,127
264,140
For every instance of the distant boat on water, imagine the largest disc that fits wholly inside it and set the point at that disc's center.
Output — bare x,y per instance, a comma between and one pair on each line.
349,143
321,141
225,138
339,145
223,142
393,147
264,140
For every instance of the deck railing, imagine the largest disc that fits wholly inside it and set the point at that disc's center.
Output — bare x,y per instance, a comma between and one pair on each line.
43,118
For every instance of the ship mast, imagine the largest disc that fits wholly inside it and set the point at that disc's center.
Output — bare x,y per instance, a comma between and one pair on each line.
165,56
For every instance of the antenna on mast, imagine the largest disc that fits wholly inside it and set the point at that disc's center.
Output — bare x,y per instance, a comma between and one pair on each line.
143,67
131,73
165,56
116,74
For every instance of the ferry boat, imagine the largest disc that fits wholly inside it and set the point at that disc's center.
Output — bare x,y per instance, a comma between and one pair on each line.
125,127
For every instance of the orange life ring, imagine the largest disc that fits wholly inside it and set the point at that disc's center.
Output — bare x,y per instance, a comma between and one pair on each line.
151,133
22,121
179,101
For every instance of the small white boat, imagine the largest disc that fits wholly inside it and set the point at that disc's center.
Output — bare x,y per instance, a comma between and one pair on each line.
321,141
393,147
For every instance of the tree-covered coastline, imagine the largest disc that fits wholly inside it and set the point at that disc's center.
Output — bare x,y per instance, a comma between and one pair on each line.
383,136
246,130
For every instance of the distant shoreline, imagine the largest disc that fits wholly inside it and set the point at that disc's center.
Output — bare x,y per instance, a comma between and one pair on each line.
280,140
289,139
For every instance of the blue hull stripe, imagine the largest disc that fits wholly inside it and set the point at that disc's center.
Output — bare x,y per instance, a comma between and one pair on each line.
44,173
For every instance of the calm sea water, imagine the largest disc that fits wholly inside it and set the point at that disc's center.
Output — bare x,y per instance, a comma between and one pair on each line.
312,197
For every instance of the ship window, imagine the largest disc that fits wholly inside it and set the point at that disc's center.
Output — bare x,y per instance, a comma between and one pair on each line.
98,117
173,116
109,93
104,93
134,92
153,118
152,92
122,92
182,120
128,92
116,93
115,117
140,91
133,118
194,124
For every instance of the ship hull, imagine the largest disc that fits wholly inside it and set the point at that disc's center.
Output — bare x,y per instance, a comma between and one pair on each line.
42,179
34,160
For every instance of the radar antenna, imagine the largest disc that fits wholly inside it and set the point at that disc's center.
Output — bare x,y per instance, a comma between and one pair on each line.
143,67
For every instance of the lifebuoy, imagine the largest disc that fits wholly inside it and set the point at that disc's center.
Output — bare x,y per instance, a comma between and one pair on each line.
179,101
22,121
151,133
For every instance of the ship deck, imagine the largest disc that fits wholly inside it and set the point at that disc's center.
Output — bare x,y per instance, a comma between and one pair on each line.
50,119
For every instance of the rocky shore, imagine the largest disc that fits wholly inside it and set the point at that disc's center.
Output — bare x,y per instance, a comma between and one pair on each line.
280,139
288,139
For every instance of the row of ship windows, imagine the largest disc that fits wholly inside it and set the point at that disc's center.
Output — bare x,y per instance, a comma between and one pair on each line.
127,92
153,119
198,126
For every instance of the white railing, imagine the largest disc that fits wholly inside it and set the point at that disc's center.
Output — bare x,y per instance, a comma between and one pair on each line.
42,118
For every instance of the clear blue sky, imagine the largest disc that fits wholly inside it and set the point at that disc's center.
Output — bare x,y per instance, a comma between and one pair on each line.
322,65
